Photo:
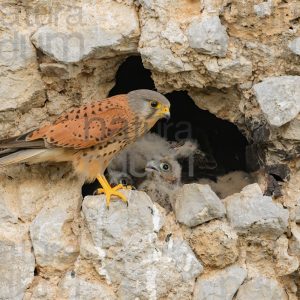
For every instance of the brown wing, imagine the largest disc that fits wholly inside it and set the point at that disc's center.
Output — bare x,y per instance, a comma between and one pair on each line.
93,108
85,132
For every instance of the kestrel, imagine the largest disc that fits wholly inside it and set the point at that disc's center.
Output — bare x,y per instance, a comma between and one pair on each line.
90,136
162,181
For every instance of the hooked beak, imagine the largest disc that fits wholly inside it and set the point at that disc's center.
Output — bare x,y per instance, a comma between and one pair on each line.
151,167
165,111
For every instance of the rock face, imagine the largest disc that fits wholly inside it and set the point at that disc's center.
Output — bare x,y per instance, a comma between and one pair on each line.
239,60
250,211
222,285
278,98
17,265
130,253
196,204
216,243
208,36
261,288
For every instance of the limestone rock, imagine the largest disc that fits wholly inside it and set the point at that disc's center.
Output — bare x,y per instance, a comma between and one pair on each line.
130,253
162,59
278,98
285,263
43,290
196,204
54,244
17,262
208,36
215,243
220,285
97,36
261,288
250,211
291,130
73,286
294,244
263,9
294,46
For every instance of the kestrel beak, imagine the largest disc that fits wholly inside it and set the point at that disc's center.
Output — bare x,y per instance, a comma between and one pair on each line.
152,166
165,112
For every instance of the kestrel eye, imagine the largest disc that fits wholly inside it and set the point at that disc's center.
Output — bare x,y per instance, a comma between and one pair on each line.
154,104
124,181
164,166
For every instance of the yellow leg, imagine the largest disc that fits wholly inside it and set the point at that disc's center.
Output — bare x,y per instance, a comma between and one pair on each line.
109,191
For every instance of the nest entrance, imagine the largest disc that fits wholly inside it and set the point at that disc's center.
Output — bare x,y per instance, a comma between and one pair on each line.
222,143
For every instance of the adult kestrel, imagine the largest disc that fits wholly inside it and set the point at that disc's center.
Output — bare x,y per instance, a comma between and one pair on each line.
90,136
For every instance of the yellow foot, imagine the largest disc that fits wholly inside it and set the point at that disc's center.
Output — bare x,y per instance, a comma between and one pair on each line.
111,191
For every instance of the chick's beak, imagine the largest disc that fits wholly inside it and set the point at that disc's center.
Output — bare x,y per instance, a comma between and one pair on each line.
165,111
152,166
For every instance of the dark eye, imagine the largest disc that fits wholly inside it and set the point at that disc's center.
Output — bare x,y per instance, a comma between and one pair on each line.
123,181
154,104
164,166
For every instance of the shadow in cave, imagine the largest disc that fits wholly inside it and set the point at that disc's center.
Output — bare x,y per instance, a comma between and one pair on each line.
221,141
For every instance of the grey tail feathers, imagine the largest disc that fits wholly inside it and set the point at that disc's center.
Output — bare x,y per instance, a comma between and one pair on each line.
19,156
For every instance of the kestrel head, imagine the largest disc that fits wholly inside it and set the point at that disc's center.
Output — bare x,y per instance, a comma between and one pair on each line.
165,169
149,104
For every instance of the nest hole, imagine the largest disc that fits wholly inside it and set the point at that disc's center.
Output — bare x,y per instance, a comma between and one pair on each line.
222,143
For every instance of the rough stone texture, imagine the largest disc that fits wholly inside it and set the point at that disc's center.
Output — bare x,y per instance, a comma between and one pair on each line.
208,36
196,204
250,211
294,46
278,98
221,285
17,261
261,288
215,243
74,287
41,75
130,253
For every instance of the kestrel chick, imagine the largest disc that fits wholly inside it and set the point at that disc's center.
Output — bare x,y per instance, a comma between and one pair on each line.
163,179
90,136
133,160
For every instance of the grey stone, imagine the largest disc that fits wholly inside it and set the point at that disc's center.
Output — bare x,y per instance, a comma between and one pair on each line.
263,9
221,285
208,36
196,204
96,36
17,262
54,244
291,131
163,60
130,254
261,288
294,45
74,287
251,211
294,244
279,98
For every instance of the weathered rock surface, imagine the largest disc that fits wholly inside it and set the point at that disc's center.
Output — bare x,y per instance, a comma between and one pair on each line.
220,285
96,35
196,204
294,46
17,262
215,243
130,253
250,211
208,36
278,98
75,287
261,288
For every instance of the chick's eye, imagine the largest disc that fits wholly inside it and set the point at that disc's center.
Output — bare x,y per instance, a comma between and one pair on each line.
164,166
154,104
123,181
